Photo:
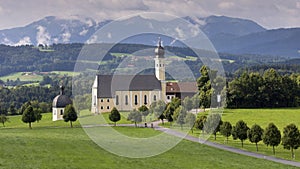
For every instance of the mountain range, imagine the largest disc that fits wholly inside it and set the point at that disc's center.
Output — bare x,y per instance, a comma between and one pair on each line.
227,34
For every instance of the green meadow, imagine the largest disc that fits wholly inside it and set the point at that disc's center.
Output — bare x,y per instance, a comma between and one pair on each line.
281,117
56,145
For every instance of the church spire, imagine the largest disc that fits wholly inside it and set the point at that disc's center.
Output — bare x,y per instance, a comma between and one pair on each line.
159,50
159,42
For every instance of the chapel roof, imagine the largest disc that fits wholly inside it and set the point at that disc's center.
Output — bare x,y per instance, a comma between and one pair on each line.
109,84
61,100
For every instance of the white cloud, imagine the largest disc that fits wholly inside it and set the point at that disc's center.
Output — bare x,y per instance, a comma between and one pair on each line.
180,33
24,41
83,32
264,12
66,36
93,39
194,29
89,22
7,41
42,36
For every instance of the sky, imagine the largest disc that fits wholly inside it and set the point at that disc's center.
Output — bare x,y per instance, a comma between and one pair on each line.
270,14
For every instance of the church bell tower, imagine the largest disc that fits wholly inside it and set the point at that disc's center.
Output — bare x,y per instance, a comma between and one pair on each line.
160,67
159,62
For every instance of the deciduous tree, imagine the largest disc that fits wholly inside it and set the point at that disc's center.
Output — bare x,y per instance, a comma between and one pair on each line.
70,114
3,119
144,111
135,116
213,123
255,134
225,129
272,136
190,120
240,131
291,138
28,116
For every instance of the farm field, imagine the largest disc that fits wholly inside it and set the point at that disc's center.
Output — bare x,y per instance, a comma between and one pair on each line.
56,145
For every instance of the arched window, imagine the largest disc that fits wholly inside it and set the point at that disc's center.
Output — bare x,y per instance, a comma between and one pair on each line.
126,99
61,112
145,99
135,99
117,99
154,97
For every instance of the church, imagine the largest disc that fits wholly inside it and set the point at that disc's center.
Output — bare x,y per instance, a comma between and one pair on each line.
128,92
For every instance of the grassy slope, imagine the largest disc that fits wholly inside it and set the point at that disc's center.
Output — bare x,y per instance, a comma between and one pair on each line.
19,75
281,117
55,145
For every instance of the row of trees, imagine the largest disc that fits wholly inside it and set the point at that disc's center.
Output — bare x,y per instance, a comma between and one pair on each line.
271,136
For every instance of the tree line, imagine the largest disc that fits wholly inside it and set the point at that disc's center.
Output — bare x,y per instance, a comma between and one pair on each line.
267,89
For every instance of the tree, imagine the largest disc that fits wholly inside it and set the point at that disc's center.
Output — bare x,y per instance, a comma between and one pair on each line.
28,116
240,131
188,103
255,134
70,114
180,113
196,102
200,122
3,119
204,86
114,115
144,111
158,109
291,138
23,107
213,123
38,114
225,129
135,116
190,119
272,136
12,110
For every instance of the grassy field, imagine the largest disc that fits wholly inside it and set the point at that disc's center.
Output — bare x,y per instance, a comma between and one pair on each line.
22,76
281,117
33,77
56,145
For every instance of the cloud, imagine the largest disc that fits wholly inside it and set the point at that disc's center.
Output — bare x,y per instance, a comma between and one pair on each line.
66,36
83,32
93,39
180,33
269,13
24,41
42,36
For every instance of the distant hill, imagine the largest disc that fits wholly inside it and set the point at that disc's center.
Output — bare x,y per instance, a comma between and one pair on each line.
229,35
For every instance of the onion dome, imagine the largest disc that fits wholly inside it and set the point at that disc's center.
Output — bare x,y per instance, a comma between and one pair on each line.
61,100
159,51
